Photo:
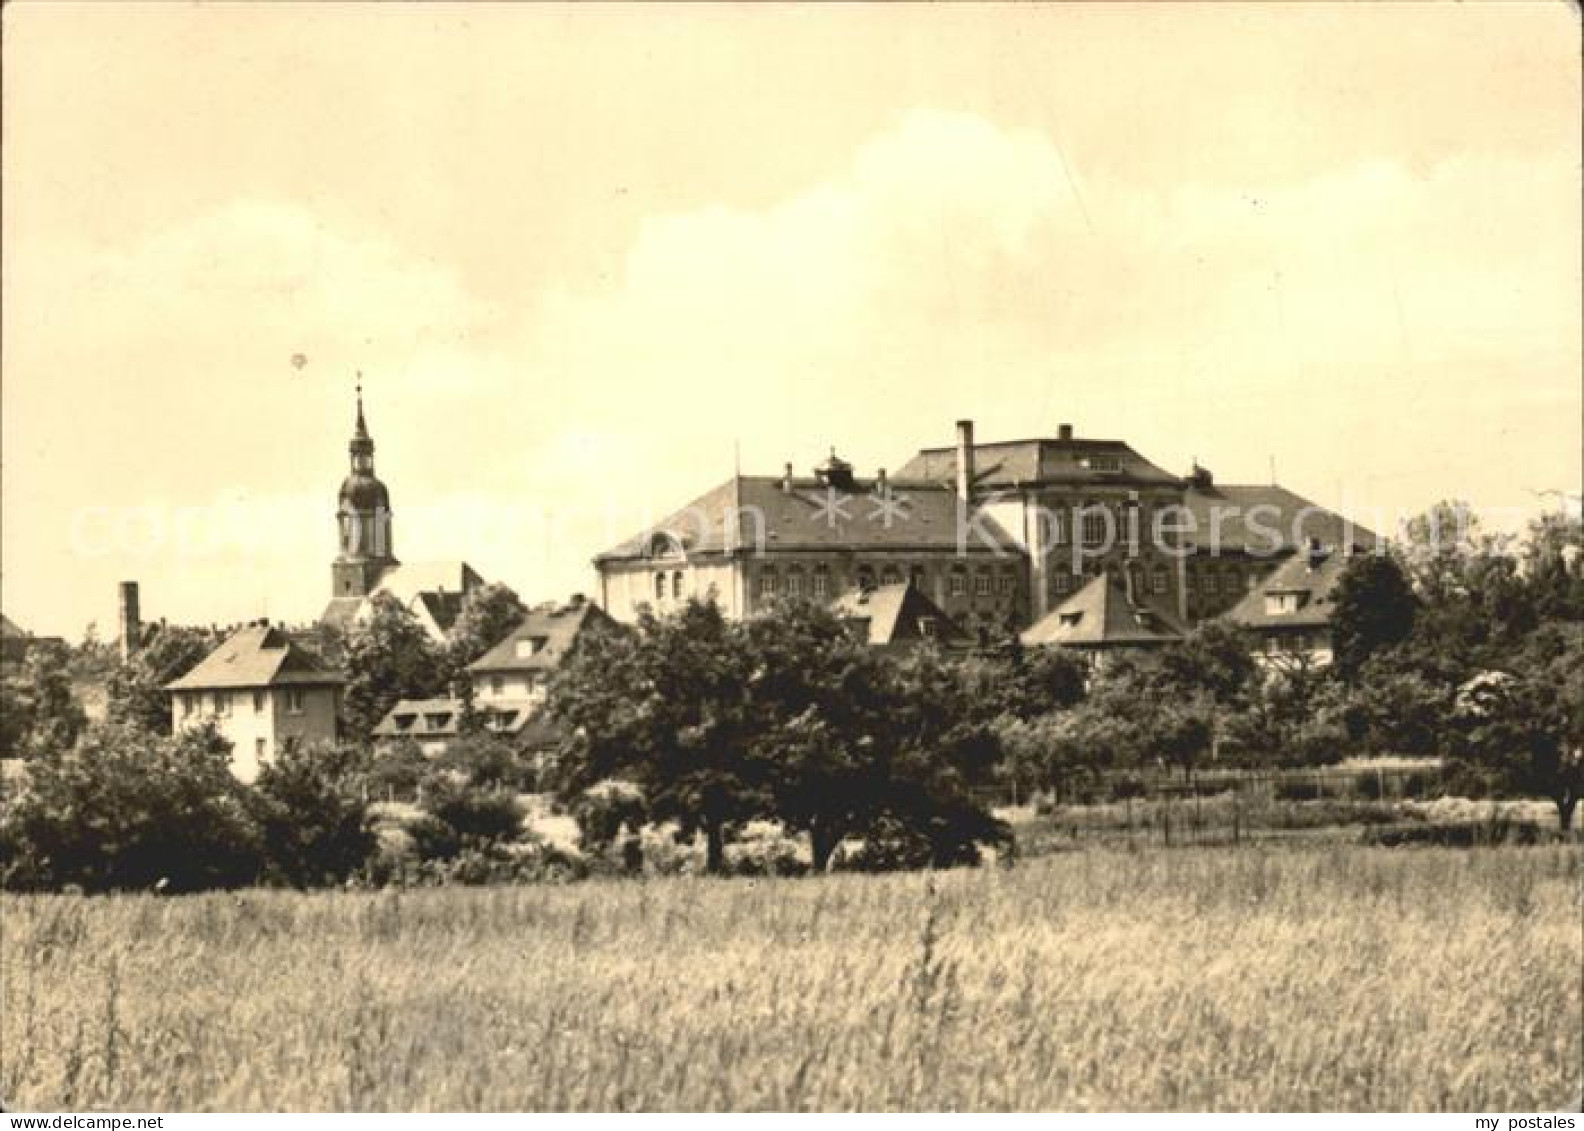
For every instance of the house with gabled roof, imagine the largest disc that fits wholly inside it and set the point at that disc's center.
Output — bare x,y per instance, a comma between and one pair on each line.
264,693
509,683
1103,619
897,616
1289,612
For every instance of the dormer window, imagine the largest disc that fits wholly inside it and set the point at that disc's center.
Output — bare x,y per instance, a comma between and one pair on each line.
1285,603
1070,620
530,646
1100,463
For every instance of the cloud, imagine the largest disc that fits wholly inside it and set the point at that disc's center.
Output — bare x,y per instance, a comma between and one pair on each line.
950,267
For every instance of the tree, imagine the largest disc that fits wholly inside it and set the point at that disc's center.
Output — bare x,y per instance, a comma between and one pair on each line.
309,806
667,709
1216,658
39,715
125,809
1373,608
388,658
1524,729
136,692
488,614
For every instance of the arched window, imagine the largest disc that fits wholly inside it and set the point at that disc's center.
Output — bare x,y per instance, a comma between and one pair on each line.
659,583
866,578
795,583
821,582
676,585
767,582
891,575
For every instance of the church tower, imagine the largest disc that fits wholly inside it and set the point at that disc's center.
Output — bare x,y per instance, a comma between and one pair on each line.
363,517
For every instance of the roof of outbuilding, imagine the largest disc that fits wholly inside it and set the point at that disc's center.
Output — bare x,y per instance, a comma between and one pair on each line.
554,632
1100,615
812,516
891,613
1313,576
1266,519
257,655
1007,463
513,715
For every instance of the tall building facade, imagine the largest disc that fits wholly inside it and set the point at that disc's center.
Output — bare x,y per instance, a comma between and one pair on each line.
997,534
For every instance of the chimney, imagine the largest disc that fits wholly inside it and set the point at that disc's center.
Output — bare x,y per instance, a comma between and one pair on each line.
880,480
786,478
965,460
1064,432
131,624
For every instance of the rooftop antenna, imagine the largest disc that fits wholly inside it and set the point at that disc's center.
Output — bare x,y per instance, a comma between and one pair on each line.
737,458
1272,469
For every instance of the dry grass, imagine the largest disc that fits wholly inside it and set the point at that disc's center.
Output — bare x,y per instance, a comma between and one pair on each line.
1347,978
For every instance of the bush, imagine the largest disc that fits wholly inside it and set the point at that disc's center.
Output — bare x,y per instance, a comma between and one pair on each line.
312,816
126,809
481,815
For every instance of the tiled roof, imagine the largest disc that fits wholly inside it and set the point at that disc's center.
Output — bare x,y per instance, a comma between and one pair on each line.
258,655
1079,462
891,613
432,591
543,639
1100,615
810,517
439,718
1312,577
1266,519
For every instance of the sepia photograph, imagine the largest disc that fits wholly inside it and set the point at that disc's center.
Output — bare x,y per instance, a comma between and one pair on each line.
776,557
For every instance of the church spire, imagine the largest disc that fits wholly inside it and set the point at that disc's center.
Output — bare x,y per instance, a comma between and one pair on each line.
361,433
362,445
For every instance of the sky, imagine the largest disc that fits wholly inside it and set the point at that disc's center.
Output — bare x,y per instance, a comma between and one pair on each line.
590,260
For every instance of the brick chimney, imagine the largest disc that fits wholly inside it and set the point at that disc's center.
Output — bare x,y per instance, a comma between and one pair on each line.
131,622
1064,432
965,460
786,478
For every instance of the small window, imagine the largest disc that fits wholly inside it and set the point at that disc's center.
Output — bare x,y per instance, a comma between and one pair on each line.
1102,463
821,582
866,578
959,585
1071,619
497,685
222,702
1005,584
290,744
659,586
982,585
767,583
795,584
260,747
926,627
916,575
1096,528
676,585
294,702
1158,579
1064,583
891,575
258,702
